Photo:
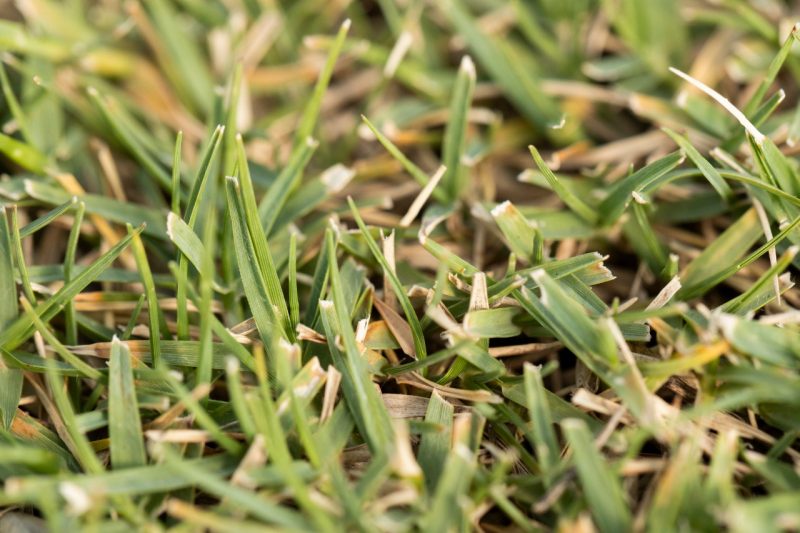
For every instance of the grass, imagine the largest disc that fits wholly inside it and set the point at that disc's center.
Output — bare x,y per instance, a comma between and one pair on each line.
397,266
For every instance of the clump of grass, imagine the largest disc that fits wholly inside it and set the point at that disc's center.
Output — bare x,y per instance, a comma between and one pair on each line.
399,266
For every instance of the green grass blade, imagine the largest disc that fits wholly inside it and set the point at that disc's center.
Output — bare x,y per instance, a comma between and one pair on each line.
22,328
10,378
455,180
445,512
23,154
710,173
43,221
244,499
772,72
237,398
108,208
729,270
521,88
154,315
70,322
520,234
258,237
10,393
417,173
19,258
190,246
308,121
255,286
745,302
14,107
569,322
201,416
366,406
181,56
600,485
294,300
730,246
620,194
771,344
175,189
77,442
131,143
287,181
41,327
8,286
644,240
402,297
544,437
573,202
435,447
204,170
124,422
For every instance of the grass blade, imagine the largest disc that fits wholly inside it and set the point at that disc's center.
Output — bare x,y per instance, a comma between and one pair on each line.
22,328
701,163
153,310
455,180
402,297
435,447
368,411
544,436
308,121
10,378
124,422
287,181
573,202
256,291
620,194
601,488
